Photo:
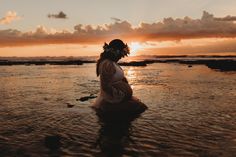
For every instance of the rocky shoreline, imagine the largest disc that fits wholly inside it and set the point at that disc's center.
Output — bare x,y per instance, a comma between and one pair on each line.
45,62
222,65
215,63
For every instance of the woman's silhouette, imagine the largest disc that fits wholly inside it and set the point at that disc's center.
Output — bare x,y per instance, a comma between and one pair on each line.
115,106
116,95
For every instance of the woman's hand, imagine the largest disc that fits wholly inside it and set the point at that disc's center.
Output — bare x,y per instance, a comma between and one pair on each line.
124,87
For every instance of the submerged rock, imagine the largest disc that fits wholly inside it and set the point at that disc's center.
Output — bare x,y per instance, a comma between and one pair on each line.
134,63
222,65
85,98
52,142
70,105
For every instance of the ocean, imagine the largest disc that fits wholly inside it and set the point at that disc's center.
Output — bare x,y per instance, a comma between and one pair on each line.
191,112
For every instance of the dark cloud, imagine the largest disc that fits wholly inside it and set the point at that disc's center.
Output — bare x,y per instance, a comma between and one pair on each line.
116,19
60,15
167,30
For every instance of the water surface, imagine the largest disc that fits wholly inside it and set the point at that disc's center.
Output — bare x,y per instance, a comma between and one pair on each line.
192,112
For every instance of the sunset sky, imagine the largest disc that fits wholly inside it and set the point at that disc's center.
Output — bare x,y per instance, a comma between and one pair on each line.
80,27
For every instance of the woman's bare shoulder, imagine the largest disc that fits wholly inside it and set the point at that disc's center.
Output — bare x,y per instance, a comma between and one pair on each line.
107,67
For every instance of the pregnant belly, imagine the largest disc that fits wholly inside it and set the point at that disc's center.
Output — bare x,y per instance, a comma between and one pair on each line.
124,88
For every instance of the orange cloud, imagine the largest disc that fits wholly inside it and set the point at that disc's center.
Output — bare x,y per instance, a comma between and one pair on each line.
212,46
9,17
167,30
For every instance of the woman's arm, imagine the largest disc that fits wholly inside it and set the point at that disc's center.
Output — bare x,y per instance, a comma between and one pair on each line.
107,70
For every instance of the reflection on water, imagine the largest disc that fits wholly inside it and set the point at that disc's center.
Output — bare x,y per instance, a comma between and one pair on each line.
191,112
131,75
113,138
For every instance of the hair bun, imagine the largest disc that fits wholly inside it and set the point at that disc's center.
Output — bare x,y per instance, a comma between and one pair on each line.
117,44
105,46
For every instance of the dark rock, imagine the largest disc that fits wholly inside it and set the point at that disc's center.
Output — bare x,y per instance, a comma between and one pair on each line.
222,65
212,97
134,63
52,142
70,105
190,66
85,98
22,152
45,62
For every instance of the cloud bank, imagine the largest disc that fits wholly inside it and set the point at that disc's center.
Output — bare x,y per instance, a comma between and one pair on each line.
227,18
226,46
169,29
9,18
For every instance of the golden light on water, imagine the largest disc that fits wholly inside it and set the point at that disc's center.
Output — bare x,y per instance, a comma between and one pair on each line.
131,75
134,48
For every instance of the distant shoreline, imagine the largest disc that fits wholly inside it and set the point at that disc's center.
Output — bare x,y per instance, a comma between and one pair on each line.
222,63
93,57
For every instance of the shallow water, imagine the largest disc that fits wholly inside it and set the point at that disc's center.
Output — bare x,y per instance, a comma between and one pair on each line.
192,112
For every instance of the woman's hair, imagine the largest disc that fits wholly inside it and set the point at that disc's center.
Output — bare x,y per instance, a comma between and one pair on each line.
113,51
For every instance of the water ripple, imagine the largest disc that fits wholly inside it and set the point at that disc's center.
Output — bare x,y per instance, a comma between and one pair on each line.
191,112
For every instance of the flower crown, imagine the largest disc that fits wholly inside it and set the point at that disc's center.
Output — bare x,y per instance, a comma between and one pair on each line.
117,52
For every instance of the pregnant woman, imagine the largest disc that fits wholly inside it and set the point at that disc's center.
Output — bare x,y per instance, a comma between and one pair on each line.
116,95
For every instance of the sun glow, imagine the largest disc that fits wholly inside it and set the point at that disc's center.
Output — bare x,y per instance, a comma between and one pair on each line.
134,48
